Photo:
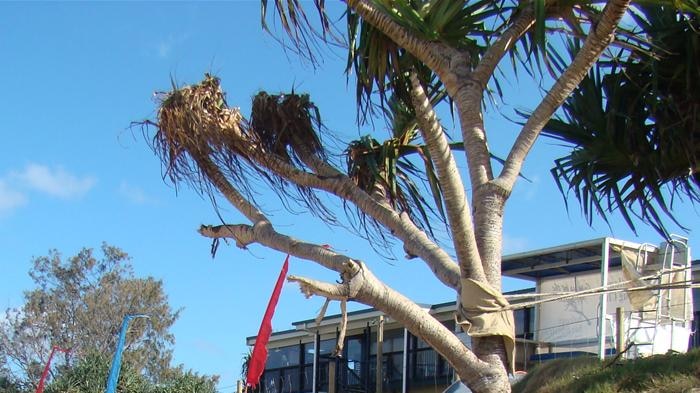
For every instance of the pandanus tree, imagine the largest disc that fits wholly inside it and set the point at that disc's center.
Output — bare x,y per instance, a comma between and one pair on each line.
634,125
407,56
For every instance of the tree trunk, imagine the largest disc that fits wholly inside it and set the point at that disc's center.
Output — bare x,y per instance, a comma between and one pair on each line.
491,350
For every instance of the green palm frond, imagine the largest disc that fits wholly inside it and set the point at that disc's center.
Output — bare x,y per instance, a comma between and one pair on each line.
380,66
633,125
390,165
575,18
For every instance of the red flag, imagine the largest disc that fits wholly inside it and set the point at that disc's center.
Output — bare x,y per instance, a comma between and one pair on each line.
40,388
259,357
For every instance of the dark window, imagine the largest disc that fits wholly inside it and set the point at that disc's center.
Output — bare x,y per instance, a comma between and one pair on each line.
290,380
326,348
524,323
309,353
283,357
392,360
307,381
283,371
426,363
271,381
426,366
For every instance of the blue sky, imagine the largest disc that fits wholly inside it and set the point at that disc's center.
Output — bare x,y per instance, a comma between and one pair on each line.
73,174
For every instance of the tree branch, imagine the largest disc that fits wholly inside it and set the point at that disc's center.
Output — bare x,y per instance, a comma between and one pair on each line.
468,91
267,236
360,284
228,191
420,323
340,185
487,200
364,287
458,212
310,287
494,54
600,36
434,54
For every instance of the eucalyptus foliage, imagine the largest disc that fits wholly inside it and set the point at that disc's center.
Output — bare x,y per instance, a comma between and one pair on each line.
78,303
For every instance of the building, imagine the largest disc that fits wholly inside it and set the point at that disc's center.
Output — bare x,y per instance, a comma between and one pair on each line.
646,308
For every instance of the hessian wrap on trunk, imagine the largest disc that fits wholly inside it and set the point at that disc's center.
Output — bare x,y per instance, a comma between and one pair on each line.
259,356
481,313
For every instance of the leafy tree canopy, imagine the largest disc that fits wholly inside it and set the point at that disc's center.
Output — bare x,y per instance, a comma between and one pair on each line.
78,303
634,147
90,373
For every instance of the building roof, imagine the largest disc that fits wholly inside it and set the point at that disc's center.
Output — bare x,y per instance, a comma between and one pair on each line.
565,259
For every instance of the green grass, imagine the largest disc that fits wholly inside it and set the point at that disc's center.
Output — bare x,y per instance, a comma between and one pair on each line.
672,373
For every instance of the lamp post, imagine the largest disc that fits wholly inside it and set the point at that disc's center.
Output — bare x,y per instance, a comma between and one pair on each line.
117,359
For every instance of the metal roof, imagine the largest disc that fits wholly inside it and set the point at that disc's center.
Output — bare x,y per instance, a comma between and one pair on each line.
564,259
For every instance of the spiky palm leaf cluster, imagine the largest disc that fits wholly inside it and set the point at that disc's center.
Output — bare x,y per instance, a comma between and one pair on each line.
402,181
634,126
400,171
380,66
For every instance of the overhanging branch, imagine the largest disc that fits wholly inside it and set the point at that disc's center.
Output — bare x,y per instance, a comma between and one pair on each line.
600,36
310,287
265,235
340,185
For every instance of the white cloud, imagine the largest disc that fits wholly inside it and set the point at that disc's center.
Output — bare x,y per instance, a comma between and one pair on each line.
10,199
134,194
55,182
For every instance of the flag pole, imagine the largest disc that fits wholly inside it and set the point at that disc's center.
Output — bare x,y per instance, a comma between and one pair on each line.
44,374
117,359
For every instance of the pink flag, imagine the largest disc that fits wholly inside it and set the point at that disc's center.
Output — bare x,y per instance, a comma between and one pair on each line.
45,374
259,357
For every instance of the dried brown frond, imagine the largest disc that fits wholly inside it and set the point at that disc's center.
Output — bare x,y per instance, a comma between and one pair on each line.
194,122
288,128
287,125
203,141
